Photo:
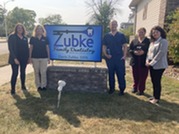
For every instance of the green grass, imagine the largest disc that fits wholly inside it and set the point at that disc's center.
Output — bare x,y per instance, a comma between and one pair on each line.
35,112
4,60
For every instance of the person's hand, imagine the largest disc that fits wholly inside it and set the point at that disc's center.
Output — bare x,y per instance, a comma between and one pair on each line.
147,64
48,61
30,61
141,52
108,56
16,61
123,58
136,53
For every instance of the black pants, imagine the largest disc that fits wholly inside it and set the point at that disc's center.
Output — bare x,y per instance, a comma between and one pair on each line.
15,69
156,76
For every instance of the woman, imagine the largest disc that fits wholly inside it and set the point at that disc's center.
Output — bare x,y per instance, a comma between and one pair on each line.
157,60
18,55
138,50
39,56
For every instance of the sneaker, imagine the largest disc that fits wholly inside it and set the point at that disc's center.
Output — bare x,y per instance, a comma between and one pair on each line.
24,88
121,93
151,98
13,92
154,101
134,90
39,89
110,91
44,88
140,93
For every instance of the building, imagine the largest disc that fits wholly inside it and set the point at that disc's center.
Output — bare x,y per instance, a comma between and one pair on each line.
149,13
126,25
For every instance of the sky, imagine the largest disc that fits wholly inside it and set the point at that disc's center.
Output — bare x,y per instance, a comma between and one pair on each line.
72,11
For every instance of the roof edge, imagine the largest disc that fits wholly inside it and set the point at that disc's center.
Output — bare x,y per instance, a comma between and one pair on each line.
134,3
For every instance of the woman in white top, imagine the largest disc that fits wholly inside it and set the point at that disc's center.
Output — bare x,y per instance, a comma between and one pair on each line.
157,60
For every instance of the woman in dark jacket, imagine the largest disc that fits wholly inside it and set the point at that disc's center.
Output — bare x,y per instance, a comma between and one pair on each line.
18,55
138,50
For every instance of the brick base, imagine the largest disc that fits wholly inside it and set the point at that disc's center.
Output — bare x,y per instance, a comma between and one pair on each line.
78,78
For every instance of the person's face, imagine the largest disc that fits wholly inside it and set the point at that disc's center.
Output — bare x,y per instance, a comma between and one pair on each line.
156,34
141,33
39,31
113,26
20,29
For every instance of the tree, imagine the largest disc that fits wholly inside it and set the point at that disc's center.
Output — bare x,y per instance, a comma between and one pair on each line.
127,32
51,20
173,36
1,14
102,11
20,15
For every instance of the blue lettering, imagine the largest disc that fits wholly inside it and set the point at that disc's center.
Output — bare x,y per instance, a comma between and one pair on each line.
90,43
82,41
74,41
69,42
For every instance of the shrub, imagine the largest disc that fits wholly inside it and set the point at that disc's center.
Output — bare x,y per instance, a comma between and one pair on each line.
173,36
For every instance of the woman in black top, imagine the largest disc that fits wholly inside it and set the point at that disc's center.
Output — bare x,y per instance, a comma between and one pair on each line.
18,55
138,50
39,56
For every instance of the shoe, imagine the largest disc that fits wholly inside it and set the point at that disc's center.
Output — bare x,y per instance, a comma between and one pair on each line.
140,93
24,88
44,88
151,98
134,90
39,89
13,92
154,101
110,91
121,93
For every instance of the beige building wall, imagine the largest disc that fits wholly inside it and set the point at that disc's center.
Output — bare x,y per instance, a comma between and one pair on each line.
149,15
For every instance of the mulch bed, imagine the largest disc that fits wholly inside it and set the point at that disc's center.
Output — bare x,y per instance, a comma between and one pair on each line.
172,71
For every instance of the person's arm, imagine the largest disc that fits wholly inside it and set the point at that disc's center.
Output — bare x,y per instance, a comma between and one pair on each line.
11,47
104,52
124,51
30,53
124,47
48,53
131,50
30,49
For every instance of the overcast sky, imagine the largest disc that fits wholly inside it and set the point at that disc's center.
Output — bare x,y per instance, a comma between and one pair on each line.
72,11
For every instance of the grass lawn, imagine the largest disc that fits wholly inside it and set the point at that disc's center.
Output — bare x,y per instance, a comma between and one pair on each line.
35,112
4,59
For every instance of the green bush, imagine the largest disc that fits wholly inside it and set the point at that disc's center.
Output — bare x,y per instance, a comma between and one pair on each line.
127,32
173,36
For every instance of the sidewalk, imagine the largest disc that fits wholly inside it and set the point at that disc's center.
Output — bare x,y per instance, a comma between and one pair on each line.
5,73
3,40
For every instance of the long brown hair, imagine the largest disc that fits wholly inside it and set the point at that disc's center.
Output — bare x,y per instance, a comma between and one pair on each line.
23,27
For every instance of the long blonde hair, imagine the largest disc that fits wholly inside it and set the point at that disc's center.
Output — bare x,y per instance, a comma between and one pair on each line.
34,34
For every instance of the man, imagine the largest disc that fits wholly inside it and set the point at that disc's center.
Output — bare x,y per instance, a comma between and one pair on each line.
115,50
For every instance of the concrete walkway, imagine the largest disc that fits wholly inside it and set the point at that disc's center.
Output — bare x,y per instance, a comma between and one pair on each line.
5,73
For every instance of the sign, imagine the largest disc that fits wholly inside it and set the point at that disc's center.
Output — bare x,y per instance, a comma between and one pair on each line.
75,42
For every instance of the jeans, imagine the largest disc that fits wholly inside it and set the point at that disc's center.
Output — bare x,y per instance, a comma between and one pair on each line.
15,69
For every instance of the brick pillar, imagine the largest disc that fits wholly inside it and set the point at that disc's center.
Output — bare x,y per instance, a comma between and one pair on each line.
78,78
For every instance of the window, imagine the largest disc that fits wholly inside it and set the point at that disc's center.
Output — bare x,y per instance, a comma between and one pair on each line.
145,12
